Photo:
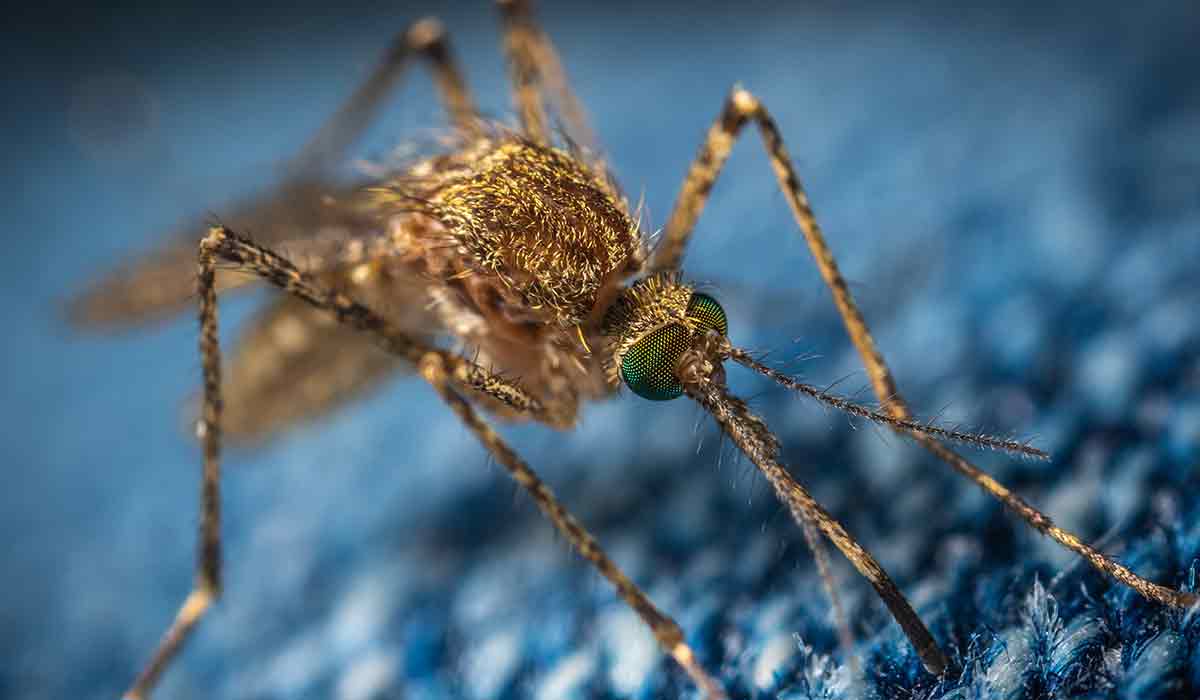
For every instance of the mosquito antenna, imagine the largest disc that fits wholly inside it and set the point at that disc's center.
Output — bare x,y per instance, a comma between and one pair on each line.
974,439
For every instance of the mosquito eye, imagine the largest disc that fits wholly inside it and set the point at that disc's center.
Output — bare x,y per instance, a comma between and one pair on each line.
707,314
648,367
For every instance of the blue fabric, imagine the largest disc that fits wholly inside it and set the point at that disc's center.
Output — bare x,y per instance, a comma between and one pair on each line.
1012,191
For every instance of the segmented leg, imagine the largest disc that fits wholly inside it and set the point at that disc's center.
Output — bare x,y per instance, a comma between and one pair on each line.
221,245
742,107
668,256
207,586
752,436
440,369
812,537
666,630
534,67
250,257
426,39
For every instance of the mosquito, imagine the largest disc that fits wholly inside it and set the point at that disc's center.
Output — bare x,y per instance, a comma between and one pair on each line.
517,243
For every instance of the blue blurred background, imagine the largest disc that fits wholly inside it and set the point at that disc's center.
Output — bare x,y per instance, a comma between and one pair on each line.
1014,191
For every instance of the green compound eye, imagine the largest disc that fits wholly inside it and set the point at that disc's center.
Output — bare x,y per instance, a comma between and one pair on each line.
707,314
648,367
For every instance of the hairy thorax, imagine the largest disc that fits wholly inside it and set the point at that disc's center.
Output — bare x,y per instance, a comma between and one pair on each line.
526,246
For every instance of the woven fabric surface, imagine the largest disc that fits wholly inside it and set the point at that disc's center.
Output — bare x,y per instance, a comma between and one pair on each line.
1014,193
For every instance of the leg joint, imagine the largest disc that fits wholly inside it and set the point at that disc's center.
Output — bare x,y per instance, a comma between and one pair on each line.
432,368
212,242
197,603
425,35
744,102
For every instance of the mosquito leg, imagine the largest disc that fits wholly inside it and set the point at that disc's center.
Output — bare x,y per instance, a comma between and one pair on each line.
742,107
161,284
523,69
753,437
425,38
534,66
669,254
228,247
812,537
666,631
207,586
428,38
221,245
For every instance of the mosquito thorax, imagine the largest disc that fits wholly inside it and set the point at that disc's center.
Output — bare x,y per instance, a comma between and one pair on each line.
650,327
546,224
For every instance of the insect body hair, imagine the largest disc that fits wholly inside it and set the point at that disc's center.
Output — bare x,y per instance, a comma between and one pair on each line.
649,304
550,227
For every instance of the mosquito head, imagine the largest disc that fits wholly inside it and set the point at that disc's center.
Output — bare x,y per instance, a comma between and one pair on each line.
666,339
658,330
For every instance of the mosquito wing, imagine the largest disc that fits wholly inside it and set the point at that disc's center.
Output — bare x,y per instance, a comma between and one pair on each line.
294,363
163,283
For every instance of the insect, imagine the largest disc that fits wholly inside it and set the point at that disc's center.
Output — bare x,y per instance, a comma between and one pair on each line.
520,245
